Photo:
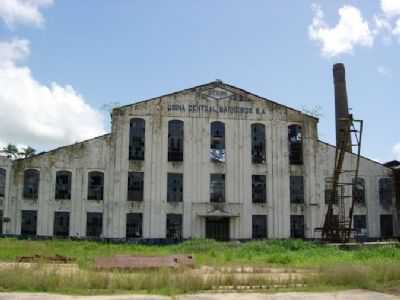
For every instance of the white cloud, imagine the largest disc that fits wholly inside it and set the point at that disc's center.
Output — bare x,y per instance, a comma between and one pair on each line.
396,151
390,8
39,115
351,30
23,11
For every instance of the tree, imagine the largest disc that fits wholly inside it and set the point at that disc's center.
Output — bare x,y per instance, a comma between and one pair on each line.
11,151
27,152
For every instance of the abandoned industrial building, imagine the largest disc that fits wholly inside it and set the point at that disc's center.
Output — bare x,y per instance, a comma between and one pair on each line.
212,161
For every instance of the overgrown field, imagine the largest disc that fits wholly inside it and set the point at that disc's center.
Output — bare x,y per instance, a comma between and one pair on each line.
375,268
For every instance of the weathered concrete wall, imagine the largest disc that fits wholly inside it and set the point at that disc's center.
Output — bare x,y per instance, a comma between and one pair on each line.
109,154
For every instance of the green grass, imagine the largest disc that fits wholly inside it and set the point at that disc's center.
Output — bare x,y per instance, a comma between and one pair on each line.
376,268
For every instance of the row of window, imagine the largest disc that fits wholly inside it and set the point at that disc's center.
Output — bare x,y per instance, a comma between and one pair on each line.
175,187
217,141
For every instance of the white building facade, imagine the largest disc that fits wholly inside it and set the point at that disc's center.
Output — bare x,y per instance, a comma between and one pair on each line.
213,161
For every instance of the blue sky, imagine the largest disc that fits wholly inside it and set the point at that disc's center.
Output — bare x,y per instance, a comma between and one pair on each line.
71,57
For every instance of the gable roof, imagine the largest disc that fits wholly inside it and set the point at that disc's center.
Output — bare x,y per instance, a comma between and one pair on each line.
216,83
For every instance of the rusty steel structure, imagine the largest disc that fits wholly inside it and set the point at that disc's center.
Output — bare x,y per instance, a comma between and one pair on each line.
339,228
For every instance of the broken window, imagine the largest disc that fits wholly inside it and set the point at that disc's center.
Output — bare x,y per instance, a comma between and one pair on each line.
295,144
174,226
136,139
175,140
61,224
95,185
63,185
297,226
31,184
385,191
135,186
359,190
329,192
175,187
386,226
1,222
258,143
217,142
360,224
28,222
259,193
296,189
2,182
217,187
259,227
94,224
134,223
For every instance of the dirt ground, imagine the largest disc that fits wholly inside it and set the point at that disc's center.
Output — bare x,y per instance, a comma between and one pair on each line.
342,295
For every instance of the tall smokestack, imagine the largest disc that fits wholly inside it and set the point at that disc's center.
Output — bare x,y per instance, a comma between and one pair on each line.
343,135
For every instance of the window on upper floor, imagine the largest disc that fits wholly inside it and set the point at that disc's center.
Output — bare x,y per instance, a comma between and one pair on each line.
175,187
31,184
217,187
295,138
175,140
63,185
136,139
296,189
174,226
329,192
135,186
258,143
259,190
217,141
95,185
385,191
358,189
2,182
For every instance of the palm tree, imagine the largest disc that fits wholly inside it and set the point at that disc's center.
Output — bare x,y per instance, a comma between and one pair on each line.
11,151
27,152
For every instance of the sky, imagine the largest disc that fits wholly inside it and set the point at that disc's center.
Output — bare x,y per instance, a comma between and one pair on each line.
63,63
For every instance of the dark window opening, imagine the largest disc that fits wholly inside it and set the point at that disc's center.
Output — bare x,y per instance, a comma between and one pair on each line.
385,191
295,145
136,139
2,182
61,224
95,185
31,184
1,222
174,226
297,226
358,189
259,190
134,223
63,185
94,224
135,186
360,224
259,227
28,222
218,228
217,187
175,187
258,143
296,189
217,141
175,140
386,226
329,192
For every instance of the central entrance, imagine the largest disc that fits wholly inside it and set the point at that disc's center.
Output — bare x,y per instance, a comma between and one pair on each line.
217,228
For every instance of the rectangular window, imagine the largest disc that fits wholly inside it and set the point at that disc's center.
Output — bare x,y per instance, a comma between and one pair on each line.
359,190
61,224
217,187
2,182
1,222
134,223
295,137
174,226
31,184
329,192
95,185
94,224
175,140
296,189
217,142
63,185
28,222
385,191
258,143
297,226
259,193
135,186
360,223
386,226
259,227
137,128
175,187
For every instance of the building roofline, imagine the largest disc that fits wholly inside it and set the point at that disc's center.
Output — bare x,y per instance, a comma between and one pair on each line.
216,82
